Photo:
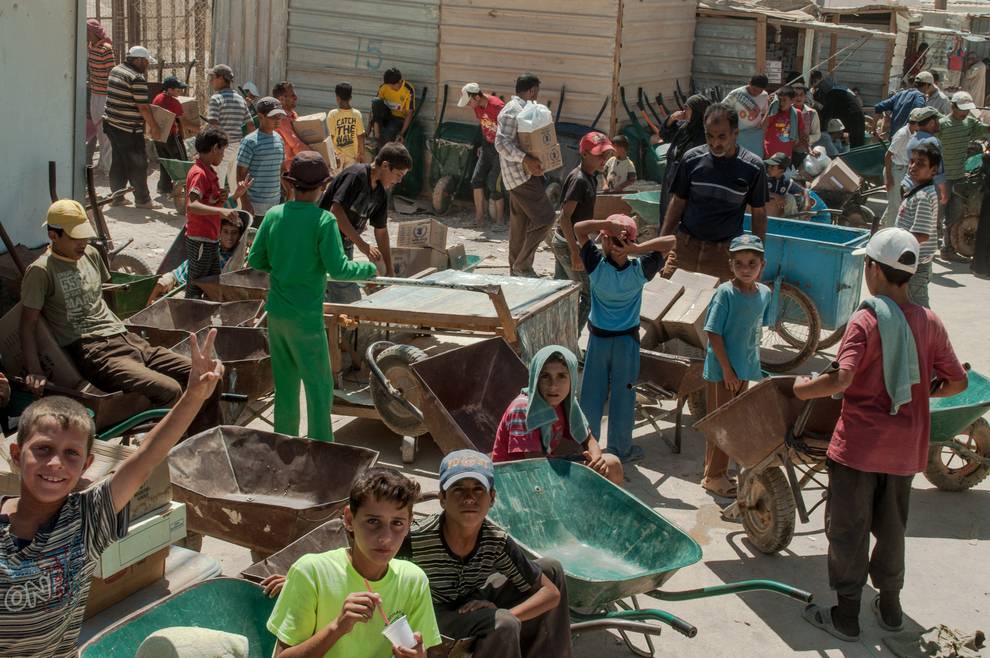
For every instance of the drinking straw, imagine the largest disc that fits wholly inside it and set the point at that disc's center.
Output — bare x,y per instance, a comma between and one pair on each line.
380,607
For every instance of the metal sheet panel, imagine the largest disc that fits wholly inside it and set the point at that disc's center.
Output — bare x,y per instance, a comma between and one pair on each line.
863,67
724,52
250,37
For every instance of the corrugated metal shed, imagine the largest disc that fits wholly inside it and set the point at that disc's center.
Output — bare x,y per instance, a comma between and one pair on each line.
864,65
724,52
250,37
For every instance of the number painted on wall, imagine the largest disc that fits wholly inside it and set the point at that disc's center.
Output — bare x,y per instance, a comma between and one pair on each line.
368,54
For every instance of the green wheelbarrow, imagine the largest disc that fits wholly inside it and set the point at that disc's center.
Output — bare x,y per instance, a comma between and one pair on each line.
126,294
177,170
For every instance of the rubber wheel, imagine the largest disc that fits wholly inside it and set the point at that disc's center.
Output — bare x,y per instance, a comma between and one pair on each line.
827,340
553,190
768,510
697,405
443,195
856,216
129,264
394,363
794,336
950,471
962,236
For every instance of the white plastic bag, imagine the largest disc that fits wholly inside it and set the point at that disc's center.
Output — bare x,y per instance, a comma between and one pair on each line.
816,161
533,117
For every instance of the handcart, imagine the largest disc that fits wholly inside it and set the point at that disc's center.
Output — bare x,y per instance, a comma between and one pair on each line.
169,321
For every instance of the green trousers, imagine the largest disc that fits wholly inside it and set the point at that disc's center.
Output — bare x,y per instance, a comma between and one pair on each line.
300,354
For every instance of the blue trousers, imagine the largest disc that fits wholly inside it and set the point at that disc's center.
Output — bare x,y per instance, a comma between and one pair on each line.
611,368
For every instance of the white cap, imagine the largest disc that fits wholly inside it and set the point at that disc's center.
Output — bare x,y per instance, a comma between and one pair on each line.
466,91
251,88
140,52
893,247
925,77
963,101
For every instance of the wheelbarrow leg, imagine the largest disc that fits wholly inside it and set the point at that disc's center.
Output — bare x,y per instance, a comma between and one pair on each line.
651,651
410,446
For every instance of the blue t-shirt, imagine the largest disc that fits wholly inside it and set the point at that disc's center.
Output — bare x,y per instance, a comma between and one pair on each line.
617,292
737,317
262,154
900,105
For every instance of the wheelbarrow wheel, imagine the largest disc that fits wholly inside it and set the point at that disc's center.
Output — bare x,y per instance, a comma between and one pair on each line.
950,471
443,194
829,339
856,216
129,264
797,327
767,508
395,363
962,236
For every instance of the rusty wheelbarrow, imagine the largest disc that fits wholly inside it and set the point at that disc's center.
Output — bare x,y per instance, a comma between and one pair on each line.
245,356
259,489
168,321
235,286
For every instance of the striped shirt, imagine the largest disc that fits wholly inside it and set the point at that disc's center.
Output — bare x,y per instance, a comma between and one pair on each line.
44,584
262,154
956,134
510,155
919,214
98,66
453,580
230,110
126,89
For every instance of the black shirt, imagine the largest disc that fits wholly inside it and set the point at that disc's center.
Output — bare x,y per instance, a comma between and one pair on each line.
352,190
581,188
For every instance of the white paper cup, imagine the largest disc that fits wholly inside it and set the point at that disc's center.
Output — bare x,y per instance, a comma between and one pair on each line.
400,633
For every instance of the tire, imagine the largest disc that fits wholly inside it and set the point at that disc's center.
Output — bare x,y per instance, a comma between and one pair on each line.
962,236
394,363
856,216
768,510
697,405
553,191
952,472
129,264
798,336
827,340
443,195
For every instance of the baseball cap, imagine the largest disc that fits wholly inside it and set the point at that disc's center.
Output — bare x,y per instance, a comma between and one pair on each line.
925,77
893,247
628,225
308,169
223,71
595,143
463,464
746,242
466,91
172,82
920,114
777,160
963,101
251,88
69,215
269,107
140,52
835,125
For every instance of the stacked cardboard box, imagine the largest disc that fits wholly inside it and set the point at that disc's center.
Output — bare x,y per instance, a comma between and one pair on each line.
542,144
422,244
164,119
189,120
312,129
837,177
686,317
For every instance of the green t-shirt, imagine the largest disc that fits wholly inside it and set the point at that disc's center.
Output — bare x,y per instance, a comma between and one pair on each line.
69,294
314,593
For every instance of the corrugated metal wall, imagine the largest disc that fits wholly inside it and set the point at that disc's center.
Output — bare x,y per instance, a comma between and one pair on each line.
250,37
864,69
724,52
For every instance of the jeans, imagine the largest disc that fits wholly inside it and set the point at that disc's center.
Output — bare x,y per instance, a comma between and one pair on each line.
129,163
382,115
300,354
344,292
487,171
564,271
611,368
918,285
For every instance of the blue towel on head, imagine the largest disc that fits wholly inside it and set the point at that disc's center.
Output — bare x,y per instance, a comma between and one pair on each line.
898,350
539,414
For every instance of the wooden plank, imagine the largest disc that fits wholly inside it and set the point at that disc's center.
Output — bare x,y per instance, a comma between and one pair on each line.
221,31
415,318
251,43
761,43
279,41
616,65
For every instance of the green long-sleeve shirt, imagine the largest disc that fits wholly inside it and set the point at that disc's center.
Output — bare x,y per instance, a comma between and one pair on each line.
299,244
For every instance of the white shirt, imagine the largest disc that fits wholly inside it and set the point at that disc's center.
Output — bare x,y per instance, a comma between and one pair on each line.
752,109
898,147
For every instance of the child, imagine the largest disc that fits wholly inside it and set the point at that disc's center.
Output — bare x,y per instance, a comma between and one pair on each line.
51,535
735,316
260,159
918,214
204,208
620,172
890,348
787,198
612,361
346,128
172,148
298,244
392,109
546,413
578,199
231,231
332,604
783,125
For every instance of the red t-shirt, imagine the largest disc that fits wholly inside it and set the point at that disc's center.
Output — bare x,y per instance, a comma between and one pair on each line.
867,437
488,117
777,137
172,105
202,180
512,441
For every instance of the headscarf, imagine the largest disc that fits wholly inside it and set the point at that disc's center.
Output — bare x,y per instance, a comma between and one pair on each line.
691,133
539,414
95,28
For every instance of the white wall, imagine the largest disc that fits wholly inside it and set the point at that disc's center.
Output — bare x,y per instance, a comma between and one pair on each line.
42,73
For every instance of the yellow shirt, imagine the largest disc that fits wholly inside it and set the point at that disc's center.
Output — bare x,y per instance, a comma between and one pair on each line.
399,102
344,126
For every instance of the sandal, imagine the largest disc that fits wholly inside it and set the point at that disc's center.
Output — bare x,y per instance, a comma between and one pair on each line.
875,606
726,488
820,617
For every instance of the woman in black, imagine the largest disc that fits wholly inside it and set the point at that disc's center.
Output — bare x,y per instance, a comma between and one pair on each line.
683,130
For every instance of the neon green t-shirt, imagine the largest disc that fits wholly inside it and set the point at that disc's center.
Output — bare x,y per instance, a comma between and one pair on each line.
314,593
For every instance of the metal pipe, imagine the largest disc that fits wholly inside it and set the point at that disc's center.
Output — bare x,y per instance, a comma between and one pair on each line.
735,588
610,619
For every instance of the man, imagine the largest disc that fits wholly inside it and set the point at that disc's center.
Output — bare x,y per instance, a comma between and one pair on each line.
899,105
530,211
811,125
838,102
285,94
228,110
956,132
974,80
251,95
173,147
835,140
65,287
937,98
486,171
710,192
99,63
482,583
260,158
895,166
915,61
124,118
751,103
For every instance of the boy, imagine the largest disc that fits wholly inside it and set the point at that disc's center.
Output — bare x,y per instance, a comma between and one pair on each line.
918,214
173,147
611,364
620,172
285,94
333,603
392,109
735,316
885,361
487,170
358,196
783,125
260,159
578,199
230,236
787,198
228,110
298,244
546,413
51,535
346,127
205,208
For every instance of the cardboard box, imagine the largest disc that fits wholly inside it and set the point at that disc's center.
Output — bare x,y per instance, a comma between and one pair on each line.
189,121
611,204
658,296
686,318
56,364
325,148
103,593
312,128
457,257
837,177
542,143
423,233
164,118
144,537
411,260
694,280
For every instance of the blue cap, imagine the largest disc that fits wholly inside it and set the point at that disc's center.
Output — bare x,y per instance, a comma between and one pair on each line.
463,464
746,242
172,82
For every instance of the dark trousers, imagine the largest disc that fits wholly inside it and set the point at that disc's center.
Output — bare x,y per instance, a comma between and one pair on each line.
171,149
501,635
391,125
860,504
531,215
129,163
694,255
204,260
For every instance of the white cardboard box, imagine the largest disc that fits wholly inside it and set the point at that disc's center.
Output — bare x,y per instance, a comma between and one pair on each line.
144,537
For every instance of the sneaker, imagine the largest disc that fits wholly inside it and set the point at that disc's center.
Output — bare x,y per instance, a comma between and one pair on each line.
150,205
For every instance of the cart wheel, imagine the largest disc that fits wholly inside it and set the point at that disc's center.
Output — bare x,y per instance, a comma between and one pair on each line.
443,194
553,193
697,405
129,264
950,471
767,507
394,363
856,216
827,340
797,328
962,236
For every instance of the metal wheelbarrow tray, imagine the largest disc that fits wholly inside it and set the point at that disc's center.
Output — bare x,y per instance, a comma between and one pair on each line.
235,286
259,489
168,321
326,537
246,358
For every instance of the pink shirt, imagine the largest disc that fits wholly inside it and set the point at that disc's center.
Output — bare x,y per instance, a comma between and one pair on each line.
512,441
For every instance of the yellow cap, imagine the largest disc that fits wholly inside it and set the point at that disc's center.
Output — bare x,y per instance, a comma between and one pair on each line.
70,216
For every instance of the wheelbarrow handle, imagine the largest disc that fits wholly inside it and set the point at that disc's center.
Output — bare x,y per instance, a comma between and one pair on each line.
735,588
370,358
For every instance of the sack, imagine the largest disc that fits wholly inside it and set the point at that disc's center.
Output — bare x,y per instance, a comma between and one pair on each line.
533,117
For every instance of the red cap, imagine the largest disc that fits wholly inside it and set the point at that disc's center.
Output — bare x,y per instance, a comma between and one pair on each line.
628,225
595,143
